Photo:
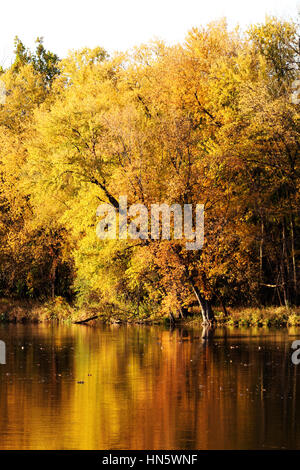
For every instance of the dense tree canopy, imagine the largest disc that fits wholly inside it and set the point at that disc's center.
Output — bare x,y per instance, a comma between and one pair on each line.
209,121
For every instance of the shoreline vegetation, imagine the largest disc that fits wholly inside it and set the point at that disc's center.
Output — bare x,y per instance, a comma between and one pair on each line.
211,121
58,310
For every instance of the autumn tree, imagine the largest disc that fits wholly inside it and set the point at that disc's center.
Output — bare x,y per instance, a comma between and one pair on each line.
209,121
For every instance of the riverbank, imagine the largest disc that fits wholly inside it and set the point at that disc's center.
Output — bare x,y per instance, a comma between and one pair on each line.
255,316
22,311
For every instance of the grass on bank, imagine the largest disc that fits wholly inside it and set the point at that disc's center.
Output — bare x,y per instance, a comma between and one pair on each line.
59,310
257,316
21,311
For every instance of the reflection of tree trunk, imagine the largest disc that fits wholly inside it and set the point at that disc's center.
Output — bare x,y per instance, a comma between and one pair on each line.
262,404
207,332
205,305
294,391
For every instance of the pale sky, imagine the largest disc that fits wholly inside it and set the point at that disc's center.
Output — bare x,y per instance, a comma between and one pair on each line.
121,24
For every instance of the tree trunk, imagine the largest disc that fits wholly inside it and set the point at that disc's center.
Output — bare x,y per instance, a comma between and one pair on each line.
53,277
220,299
294,258
86,320
205,306
286,258
172,319
261,247
285,269
180,313
224,308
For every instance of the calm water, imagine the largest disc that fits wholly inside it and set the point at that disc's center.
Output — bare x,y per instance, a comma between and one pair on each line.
148,388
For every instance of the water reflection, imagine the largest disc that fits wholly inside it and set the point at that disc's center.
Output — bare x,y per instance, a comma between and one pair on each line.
77,387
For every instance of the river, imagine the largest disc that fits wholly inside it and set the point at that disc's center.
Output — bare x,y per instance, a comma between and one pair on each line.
148,387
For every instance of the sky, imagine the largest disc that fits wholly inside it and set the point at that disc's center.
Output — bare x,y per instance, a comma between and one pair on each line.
118,25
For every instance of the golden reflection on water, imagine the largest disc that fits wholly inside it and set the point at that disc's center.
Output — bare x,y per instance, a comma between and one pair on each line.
148,388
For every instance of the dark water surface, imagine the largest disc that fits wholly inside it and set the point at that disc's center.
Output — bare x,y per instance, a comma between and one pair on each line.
148,388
